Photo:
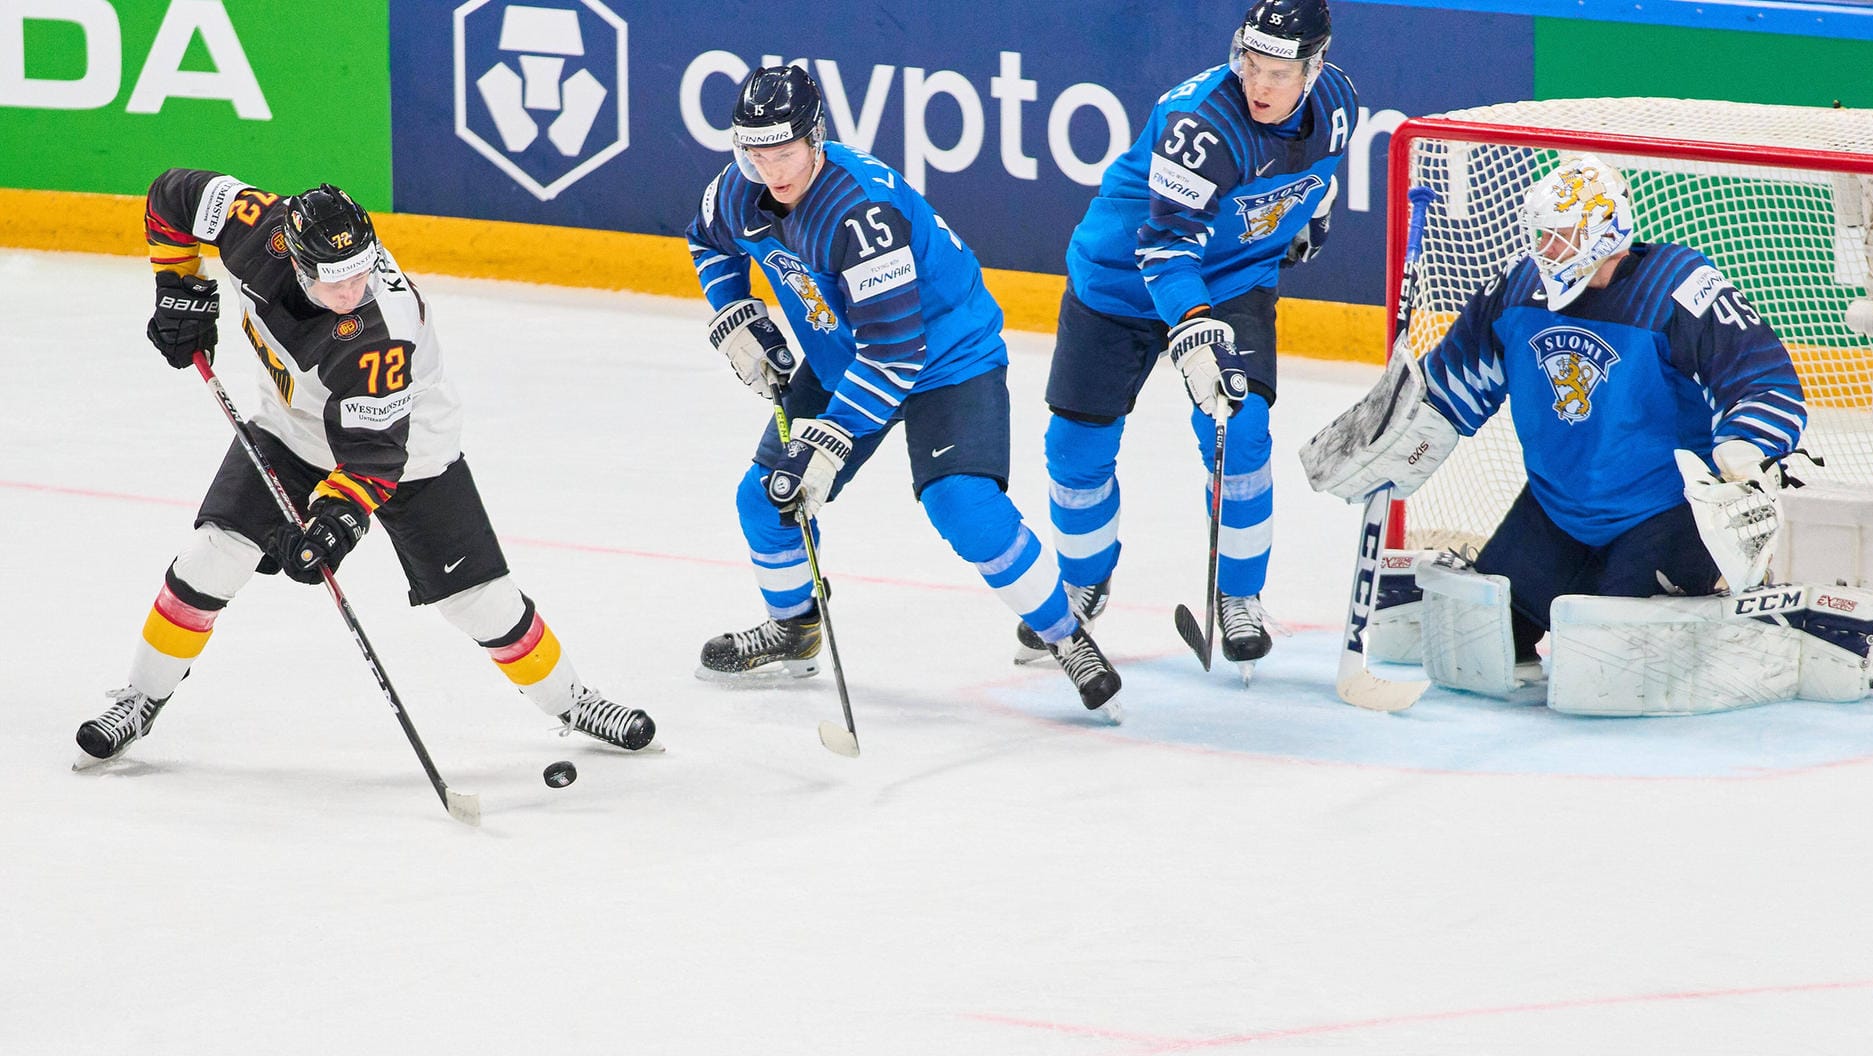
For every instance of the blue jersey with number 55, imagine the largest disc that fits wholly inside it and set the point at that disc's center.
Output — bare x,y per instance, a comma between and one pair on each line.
883,299
1202,207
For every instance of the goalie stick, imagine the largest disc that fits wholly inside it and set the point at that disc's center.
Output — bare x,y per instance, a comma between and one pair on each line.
1355,684
1203,642
464,807
843,741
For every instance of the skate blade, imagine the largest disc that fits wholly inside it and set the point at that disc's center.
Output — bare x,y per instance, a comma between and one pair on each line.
1246,668
775,671
1111,712
86,761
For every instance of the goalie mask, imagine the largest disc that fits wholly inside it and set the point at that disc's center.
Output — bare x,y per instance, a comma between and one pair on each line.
1577,216
1285,29
776,105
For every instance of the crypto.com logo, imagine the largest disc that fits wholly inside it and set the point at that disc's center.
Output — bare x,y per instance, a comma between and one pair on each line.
544,42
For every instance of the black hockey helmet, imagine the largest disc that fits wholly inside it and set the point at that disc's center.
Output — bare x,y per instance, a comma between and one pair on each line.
1285,29
776,104
328,237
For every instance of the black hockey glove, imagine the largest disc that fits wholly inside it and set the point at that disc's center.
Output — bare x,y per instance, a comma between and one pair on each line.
334,527
184,323
1307,245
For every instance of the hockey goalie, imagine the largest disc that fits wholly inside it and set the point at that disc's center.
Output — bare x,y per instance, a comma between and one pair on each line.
1658,416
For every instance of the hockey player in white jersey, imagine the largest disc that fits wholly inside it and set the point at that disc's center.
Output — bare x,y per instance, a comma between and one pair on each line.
361,425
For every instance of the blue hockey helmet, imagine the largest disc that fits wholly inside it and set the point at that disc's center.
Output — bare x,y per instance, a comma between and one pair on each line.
1285,29
776,104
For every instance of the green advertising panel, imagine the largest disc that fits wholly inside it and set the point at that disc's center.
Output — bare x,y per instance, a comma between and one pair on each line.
1579,59
101,95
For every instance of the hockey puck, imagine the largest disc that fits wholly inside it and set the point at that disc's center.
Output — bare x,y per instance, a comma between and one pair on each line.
560,774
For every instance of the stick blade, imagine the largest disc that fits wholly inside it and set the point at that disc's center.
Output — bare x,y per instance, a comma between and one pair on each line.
464,807
1363,689
1192,633
838,739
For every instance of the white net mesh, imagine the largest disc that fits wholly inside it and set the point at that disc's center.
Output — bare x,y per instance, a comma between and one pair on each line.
1794,236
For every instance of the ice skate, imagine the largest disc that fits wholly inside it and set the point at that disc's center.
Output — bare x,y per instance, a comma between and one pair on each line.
1091,672
789,646
129,717
1245,632
628,728
1086,602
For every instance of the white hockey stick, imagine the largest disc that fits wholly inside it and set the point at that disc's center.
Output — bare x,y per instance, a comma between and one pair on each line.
1355,684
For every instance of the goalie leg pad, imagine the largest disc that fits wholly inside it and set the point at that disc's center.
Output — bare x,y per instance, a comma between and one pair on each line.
1837,635
1396,634
1673,656
1390,436
1468,643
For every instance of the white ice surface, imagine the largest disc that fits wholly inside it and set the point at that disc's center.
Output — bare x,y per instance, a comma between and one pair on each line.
1234,870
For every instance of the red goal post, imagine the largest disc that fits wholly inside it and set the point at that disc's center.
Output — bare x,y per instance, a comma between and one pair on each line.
1779,197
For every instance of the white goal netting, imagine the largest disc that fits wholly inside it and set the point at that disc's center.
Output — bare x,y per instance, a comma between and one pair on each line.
1779,197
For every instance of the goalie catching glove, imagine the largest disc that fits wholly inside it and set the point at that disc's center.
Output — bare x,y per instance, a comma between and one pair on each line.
1391,436
809,465
1204,349
1739,517
754,346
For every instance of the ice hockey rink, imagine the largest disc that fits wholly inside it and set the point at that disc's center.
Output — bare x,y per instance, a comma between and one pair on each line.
1234,870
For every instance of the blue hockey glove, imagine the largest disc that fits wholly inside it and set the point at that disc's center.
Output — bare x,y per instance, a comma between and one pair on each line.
813,458
1204,348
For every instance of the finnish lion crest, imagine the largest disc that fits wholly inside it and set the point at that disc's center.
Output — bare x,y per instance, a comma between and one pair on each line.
1262,213
794,276
1576,360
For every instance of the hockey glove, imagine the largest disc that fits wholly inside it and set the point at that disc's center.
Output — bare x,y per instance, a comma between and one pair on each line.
754,346
332,529
1307,245
813,458
1215,373
184,323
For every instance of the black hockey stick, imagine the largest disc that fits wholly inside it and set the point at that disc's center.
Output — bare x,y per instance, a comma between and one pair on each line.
1355,684
464,807
1204,643
844,741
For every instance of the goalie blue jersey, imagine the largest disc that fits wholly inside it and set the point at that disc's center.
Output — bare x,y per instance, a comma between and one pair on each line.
880,294
1669,355
1201,208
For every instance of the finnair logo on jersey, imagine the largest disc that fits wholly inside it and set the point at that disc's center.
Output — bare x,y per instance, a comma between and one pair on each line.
556,66
1576,360
794,276
882,274
1262,213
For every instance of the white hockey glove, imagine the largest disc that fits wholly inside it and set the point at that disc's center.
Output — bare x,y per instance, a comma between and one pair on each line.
1204,349
754,346
812,460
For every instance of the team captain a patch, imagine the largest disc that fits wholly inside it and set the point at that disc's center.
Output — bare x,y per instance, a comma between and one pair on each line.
1576,360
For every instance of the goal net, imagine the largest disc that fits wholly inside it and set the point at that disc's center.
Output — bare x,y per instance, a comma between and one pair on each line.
1779,197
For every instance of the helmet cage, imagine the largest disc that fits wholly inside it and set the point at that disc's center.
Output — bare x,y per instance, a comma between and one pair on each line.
1576,218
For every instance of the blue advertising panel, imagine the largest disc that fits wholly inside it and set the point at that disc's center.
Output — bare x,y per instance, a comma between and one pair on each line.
612,114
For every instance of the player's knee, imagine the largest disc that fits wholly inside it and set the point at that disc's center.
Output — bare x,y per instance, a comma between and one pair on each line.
216,562
973,515
485,612
1081,453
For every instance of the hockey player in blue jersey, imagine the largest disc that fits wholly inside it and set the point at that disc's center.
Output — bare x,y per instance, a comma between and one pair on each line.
893,324
1613,355
1231,180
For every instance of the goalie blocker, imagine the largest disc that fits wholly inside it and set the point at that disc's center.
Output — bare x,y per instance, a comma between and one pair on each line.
1391,436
